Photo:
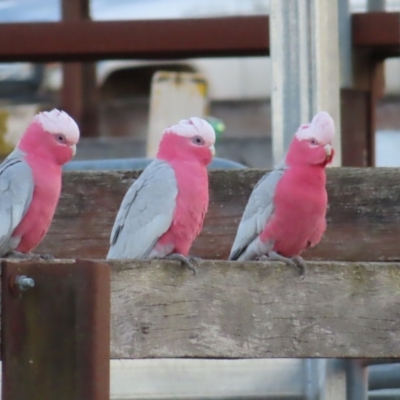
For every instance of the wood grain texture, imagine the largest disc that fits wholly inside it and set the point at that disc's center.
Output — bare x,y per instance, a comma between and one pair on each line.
363,216
255,310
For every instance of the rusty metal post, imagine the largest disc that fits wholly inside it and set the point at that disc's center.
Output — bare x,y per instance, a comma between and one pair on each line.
55,337
79,95
369,85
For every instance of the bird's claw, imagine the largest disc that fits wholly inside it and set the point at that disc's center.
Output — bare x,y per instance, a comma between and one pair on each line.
46,257
186,261
28,256
195,259
295,262
300,264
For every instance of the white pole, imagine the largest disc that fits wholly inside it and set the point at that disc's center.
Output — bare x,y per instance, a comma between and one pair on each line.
305,68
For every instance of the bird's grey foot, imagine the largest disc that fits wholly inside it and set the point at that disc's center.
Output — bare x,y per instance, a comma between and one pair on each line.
46,256
184,260
301,264
194,259
296,261
262,258
28,256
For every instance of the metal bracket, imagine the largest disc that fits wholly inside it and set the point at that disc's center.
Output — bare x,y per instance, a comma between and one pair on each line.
55,336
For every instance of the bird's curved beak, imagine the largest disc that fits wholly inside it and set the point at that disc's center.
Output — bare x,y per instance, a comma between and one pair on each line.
328,150
73,148
212,149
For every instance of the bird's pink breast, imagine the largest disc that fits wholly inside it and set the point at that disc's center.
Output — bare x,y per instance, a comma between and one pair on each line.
300,207
191,206
37,220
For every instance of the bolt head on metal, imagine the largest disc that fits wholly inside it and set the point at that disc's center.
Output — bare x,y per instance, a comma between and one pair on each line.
23,282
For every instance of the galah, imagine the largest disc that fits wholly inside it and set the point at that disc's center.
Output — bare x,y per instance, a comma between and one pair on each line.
286,211
30,182
163,211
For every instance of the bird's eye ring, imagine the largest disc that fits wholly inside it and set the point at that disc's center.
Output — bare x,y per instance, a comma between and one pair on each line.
60,138
198,140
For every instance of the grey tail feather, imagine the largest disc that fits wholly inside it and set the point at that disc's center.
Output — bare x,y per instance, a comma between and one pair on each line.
115,237
235,255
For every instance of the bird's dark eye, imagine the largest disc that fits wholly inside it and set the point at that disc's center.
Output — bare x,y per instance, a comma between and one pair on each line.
313,141
198,140
60,138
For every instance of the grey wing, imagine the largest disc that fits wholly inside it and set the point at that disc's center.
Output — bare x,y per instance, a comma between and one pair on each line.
16,191
258,211
146,213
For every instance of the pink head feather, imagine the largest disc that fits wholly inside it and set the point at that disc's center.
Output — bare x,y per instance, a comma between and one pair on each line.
192,127
59,122
321,128
51,135
190,139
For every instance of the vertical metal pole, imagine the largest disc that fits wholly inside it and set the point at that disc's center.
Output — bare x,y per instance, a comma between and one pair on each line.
357,380
325,379
345,44
305,68
311,378
376,5
335,380
79,96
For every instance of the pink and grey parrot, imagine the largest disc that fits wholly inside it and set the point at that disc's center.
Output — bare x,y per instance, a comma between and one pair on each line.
30,182
286,211
163,211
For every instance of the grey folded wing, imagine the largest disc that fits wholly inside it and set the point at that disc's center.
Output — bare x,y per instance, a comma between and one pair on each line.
146,213
16,191
258,211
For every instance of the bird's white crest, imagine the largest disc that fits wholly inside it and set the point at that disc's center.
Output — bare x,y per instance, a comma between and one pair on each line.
192,127
321,128
56,121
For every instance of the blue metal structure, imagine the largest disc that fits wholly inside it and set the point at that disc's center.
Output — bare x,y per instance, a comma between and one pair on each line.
137,164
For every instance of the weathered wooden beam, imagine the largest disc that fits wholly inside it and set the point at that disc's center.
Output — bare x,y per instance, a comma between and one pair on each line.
254,310
232,310
363,216
157,39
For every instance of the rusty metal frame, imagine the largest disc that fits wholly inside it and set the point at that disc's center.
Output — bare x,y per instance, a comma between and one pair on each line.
85,40
56,335
378,31
80,95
